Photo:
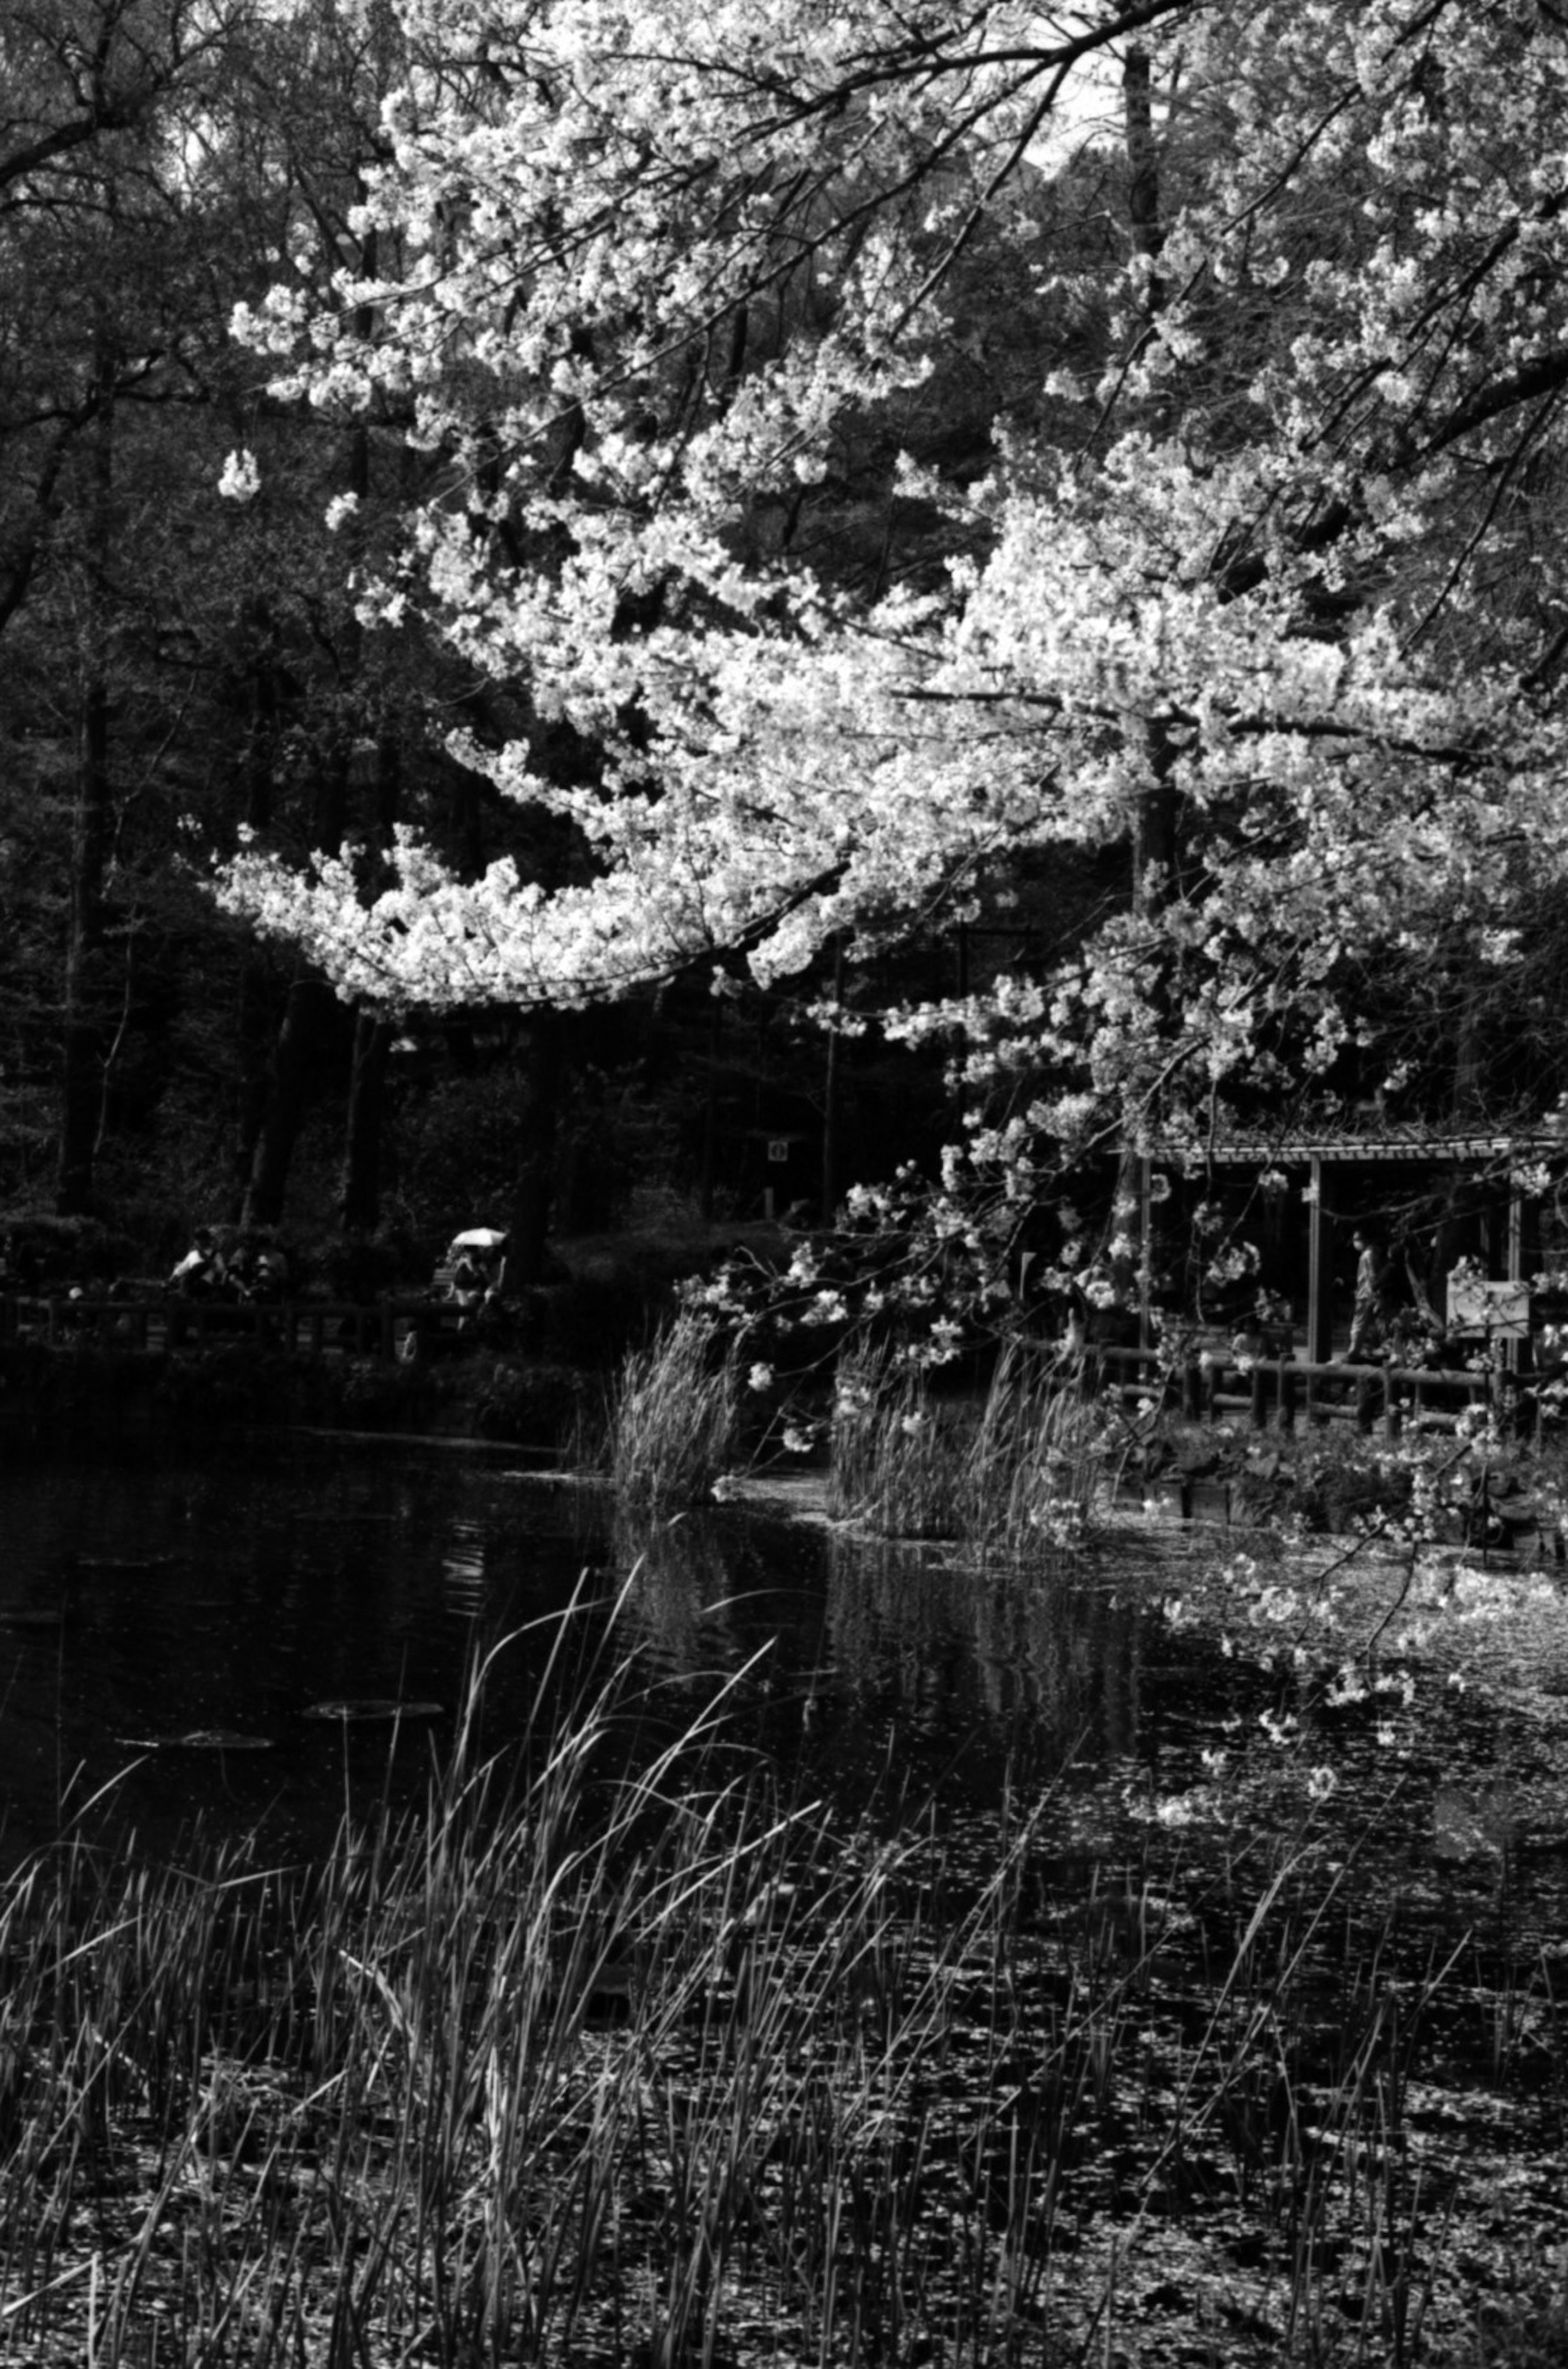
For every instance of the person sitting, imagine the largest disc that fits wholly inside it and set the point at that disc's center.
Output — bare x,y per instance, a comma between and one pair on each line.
239,1272
272,1278
199,1273
467,1286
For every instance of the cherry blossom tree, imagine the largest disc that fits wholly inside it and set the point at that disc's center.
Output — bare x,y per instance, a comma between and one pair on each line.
1255,589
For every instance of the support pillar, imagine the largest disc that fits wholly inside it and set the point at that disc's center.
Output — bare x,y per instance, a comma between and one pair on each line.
1515,1354
1145,1251
1319,1273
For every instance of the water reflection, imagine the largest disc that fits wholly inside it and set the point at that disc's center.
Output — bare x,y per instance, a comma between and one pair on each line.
462,1570
886,1669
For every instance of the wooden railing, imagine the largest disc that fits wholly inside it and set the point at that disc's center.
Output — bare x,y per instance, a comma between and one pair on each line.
1291,1390
317,1327
1204,1390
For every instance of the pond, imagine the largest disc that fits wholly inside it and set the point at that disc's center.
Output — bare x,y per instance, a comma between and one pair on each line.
1226,1895
146,1601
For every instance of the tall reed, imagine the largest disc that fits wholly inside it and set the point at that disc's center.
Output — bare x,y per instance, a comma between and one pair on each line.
674,1418
897,1457
1013,1475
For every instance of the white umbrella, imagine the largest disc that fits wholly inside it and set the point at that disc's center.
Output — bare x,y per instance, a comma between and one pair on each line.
479,1238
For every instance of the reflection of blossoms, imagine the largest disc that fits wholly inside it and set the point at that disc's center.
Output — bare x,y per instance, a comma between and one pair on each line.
241,478
761,1377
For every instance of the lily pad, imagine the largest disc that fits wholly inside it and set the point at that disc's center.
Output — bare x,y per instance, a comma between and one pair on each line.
199,1739
125,1566
364,1708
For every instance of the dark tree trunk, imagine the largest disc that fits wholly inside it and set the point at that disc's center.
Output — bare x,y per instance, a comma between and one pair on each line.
255,1020
82,1080
307,1017
361,1197
534,1195
1154,820
255,1032
832,1098
360,1202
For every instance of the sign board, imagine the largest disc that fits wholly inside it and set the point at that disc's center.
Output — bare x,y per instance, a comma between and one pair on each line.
778,1150
1502,1310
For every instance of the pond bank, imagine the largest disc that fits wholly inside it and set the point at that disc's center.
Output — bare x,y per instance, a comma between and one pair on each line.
541,1404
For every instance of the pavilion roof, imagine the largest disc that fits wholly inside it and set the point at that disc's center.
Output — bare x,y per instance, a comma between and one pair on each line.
1408,1144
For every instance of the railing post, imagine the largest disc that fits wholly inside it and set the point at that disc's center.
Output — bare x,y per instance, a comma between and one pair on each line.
1260,1403
1286,1396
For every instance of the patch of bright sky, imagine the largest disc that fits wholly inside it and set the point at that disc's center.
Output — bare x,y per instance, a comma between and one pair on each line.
1088,111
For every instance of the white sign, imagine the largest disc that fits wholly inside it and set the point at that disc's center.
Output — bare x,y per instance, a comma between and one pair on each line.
1502,1310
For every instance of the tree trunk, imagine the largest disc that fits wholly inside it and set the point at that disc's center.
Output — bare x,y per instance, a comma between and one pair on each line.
534,1194
832,1098
83,1035
254,1020
360,1205
307,1017
1154,818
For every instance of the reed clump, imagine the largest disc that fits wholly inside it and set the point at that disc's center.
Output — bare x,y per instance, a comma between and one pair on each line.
674,1417
897,1456
1011,1476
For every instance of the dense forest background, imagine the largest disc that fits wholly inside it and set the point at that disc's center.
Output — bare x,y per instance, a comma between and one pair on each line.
176,665
189,663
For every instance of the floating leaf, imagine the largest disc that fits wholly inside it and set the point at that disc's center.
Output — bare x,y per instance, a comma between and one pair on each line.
199,1739
373,1707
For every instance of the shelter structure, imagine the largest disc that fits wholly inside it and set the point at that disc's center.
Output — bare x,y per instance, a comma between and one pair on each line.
1335,1177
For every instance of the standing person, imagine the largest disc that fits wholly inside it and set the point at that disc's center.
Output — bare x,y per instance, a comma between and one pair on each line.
1367,1323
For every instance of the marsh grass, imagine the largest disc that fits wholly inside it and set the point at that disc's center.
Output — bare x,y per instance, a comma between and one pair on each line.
674,1417
897,1454
1013,1476
617,2053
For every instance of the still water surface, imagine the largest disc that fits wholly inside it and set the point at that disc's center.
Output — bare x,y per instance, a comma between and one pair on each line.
1247,1838
148,1595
